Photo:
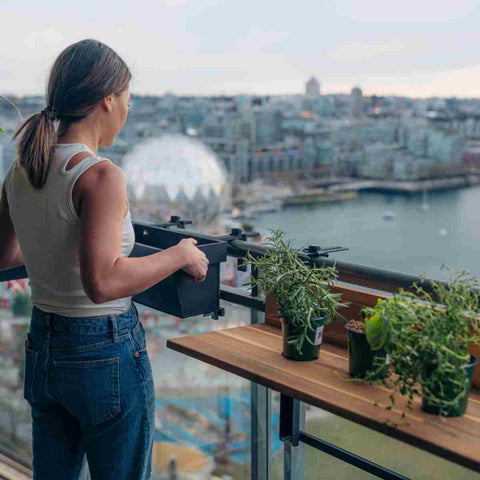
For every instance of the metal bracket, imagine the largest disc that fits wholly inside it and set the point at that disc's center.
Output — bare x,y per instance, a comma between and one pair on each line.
289,420
313,251
175,221
214,315
237,234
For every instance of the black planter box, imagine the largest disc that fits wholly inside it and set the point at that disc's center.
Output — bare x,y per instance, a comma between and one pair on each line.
177,295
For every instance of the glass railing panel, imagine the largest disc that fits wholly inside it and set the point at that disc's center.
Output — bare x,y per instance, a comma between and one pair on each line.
319,465
377,447
202,415
15,420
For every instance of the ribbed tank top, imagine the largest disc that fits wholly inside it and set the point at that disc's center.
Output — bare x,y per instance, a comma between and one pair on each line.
48,232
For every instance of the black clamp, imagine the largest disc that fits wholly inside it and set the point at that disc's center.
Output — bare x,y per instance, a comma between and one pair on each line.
237,234
175,221
214,315
313,251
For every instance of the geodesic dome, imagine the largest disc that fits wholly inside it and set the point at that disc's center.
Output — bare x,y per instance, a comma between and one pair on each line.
175,175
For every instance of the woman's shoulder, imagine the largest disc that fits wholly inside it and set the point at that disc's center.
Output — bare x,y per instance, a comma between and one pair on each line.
103,174
106,164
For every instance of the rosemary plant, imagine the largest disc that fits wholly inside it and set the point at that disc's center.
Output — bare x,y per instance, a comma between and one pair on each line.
427,341
303,291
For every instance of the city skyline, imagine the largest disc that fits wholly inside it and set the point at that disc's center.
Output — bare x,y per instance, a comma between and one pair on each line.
210,47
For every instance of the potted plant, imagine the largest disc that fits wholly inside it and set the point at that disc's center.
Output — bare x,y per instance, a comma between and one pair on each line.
427,342
363,362
303,293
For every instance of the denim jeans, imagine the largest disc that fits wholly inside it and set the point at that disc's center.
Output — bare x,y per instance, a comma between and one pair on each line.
89,383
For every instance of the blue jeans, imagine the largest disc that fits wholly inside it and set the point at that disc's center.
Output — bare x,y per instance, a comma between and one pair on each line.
89,383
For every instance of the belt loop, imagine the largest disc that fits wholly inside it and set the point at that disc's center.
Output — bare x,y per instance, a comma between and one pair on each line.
114,327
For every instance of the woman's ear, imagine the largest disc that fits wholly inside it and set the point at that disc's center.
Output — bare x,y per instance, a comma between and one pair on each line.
107,103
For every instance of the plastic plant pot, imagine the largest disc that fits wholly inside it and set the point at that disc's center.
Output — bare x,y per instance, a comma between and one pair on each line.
362,359
451,392
309,351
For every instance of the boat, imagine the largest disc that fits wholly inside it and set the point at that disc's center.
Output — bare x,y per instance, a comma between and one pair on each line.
319,195
389,215
267,207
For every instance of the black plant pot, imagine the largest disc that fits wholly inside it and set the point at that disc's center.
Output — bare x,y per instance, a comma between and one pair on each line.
177,294
361,358
308,351
451,392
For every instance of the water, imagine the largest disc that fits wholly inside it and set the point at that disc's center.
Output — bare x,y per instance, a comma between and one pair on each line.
415,241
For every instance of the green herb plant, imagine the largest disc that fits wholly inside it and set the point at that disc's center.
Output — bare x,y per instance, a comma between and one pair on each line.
427,340
302,290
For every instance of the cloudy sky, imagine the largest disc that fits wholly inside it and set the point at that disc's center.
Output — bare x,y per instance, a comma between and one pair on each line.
416,48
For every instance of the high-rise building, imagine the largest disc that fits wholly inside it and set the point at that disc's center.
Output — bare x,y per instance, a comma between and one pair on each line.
312,88
357,102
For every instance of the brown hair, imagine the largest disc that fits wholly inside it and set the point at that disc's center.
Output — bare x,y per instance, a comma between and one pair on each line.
81,76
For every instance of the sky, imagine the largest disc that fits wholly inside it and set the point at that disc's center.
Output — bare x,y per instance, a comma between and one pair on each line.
415,48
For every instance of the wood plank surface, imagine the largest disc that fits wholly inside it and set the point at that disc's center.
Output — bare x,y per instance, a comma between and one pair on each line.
254,352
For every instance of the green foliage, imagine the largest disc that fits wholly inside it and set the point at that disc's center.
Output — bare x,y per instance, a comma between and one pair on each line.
303,291
377,330
1,131
427,340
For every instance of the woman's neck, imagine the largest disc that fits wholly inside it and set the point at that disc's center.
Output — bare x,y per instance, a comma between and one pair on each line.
76,139
80,135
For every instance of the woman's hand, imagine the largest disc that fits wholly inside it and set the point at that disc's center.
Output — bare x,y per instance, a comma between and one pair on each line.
196,262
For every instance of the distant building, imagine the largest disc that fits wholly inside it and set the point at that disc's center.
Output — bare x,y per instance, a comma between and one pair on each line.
265,127
357,102
312,88
438,145
274,162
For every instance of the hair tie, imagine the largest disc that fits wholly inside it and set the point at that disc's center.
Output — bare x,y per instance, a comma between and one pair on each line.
50,113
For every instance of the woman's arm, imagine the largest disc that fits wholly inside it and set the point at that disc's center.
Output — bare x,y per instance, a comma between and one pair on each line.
106,275
10,254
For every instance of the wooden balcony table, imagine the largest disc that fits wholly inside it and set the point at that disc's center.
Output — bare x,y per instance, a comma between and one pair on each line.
254,353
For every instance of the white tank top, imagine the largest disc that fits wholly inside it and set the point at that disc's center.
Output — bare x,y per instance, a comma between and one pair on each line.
48,232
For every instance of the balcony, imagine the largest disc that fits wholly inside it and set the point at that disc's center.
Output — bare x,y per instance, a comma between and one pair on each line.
214,425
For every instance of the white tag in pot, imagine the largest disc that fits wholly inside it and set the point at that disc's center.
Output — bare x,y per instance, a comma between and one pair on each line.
319,335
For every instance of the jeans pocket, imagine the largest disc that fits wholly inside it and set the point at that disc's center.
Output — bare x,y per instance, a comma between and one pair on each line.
31,359
90,390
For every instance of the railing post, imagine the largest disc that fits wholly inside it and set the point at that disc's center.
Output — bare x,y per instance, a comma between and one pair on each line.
260,414
292,421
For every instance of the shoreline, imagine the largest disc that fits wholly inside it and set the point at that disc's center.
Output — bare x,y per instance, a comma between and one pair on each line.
417,186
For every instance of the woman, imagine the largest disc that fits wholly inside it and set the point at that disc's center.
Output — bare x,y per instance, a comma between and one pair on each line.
64,214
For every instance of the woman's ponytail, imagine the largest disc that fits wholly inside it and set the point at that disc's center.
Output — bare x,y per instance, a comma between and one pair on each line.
36,137
81,76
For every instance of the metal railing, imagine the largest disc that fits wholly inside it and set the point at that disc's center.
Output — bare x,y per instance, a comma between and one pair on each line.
293,412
